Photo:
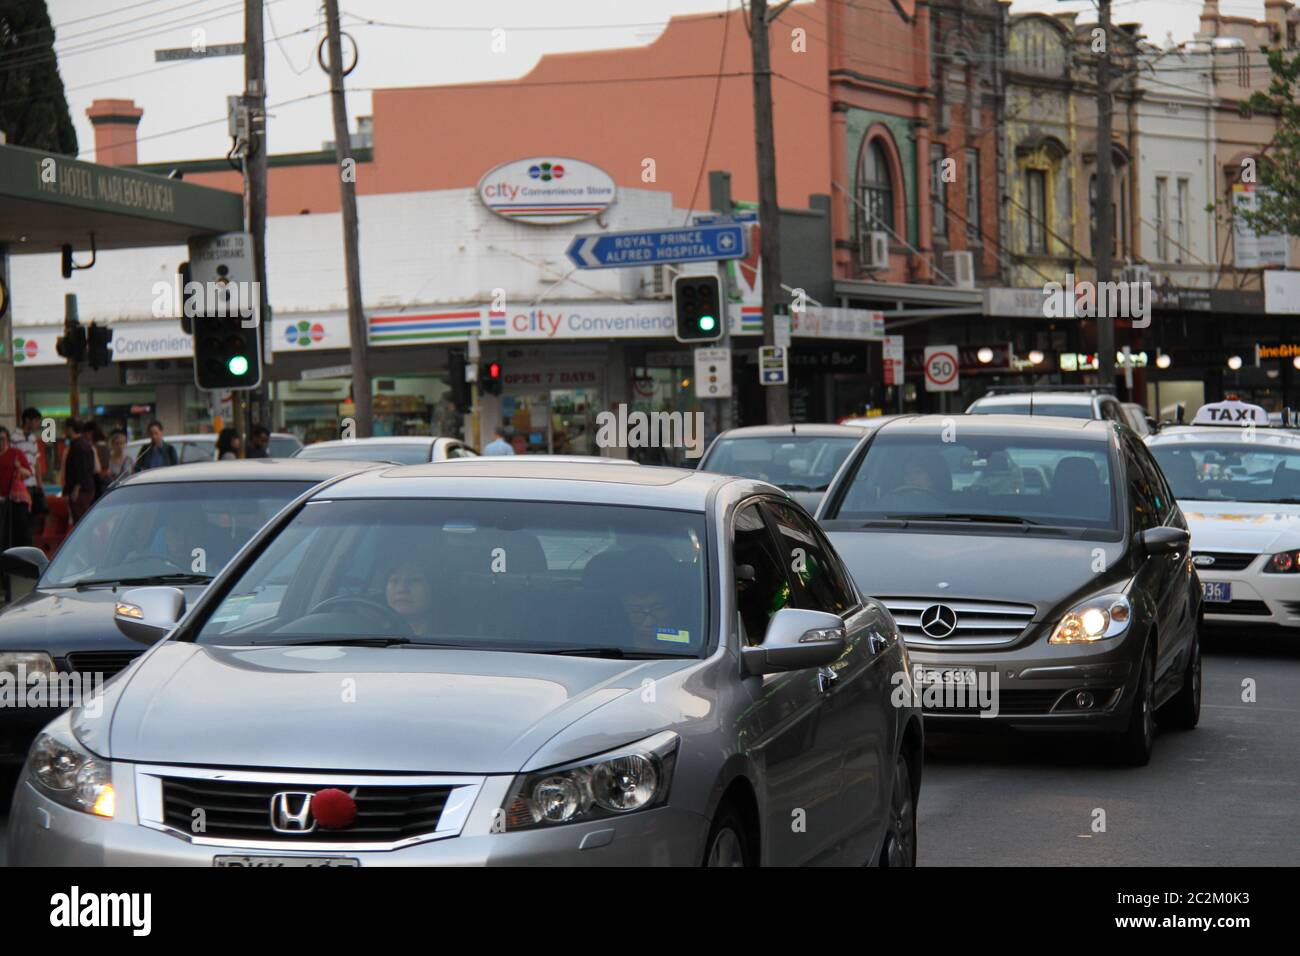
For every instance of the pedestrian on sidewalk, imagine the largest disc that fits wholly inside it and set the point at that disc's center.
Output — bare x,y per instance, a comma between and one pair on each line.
120,463
79,469
156,454
29,442
15,501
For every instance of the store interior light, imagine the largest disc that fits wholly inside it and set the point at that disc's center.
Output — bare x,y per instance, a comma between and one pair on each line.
1234,362
1295,362
1163,360
1036,357
985,355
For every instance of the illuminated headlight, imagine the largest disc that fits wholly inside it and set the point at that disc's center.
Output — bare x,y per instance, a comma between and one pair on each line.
1286,562
619,782
67,774
1100,617
26,663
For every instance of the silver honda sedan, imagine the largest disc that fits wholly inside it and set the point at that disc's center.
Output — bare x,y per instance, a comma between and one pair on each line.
498,661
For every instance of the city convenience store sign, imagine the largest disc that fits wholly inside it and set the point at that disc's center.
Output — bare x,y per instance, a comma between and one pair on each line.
547,190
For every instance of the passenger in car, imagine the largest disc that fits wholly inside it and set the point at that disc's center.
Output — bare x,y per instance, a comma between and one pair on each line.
409,592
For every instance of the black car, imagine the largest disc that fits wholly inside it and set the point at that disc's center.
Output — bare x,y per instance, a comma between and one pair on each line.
173,526
1038,569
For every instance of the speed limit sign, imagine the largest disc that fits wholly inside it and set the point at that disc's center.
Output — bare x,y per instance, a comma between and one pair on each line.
941,368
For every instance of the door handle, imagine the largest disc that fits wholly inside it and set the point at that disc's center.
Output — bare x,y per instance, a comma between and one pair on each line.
877,642
826,679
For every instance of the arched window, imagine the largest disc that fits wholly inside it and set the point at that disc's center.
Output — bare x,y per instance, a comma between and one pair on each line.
876,189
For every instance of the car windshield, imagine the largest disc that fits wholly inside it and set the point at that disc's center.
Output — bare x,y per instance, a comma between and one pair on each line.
404,453
175,531
1057,409
793,462
1036,481
1231,471
494,575
282,447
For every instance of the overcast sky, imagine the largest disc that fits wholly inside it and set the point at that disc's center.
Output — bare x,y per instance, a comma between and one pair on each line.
106,49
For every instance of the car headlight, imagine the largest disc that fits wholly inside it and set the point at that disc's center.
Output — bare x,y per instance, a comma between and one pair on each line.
68,774
1285,562
26,663
1099,617
622,781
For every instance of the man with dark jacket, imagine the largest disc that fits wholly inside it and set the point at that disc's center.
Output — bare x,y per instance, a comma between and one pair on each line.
156,454
78,471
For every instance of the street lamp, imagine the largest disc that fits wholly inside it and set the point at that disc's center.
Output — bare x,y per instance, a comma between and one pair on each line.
1234,362
1036,357
985,355
1163,360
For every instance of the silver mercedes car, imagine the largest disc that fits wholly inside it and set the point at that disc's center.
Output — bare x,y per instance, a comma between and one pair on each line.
498,661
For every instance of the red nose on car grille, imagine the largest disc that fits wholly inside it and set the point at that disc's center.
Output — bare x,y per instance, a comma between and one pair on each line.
243,810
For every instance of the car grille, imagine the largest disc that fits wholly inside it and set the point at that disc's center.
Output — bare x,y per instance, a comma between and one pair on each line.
242,810
108,663
1223,560
1247,608
978,622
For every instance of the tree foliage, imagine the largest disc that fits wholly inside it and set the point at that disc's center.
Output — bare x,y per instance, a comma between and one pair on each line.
33,107
1279,165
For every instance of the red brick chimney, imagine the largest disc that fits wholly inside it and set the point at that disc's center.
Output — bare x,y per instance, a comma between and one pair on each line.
115,123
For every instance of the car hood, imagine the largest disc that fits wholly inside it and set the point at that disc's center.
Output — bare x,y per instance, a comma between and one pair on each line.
1259,527
1028,569
63,620
429,710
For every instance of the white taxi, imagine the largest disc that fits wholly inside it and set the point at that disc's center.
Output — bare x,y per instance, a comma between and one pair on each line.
1237,481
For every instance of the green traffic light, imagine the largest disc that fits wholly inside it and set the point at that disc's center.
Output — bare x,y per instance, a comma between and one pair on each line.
238,365
707,323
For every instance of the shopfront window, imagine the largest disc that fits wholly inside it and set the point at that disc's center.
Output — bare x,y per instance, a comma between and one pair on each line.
667,389
314,409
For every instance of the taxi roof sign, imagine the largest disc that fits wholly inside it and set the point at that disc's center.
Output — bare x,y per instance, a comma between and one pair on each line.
1231,413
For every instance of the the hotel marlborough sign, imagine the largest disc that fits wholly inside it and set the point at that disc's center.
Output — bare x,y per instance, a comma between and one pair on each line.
38,176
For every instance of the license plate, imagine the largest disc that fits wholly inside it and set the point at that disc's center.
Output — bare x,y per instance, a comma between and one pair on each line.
1216,592
946,675
258,860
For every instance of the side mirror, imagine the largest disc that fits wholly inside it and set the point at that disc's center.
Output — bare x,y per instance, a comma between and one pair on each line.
1153,424
796,639
1164,540
24,562
146,614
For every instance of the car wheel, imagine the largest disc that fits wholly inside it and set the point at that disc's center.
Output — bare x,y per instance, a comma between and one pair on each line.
1135,743
1184,710
728,843
900,838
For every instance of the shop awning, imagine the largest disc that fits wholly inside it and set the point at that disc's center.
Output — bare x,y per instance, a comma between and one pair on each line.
47,201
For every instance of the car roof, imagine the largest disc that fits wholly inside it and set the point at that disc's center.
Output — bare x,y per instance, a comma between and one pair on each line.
813,430
542,478
1037,426
249,469
1201,434
1047,398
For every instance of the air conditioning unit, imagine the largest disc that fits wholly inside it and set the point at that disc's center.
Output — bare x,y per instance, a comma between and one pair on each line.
1138,272
875,251
660,283
960,267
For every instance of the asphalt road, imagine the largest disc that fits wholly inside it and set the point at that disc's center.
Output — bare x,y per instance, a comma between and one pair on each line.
1223,794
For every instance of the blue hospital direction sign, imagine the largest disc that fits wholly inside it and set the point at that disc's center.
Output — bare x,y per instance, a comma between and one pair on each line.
622,250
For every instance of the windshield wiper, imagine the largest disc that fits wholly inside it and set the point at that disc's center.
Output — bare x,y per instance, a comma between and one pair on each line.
178,578
343,642
612,653
963,516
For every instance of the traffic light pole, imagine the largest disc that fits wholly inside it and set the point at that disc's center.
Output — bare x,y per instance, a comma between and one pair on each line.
1105,193
357,329
255,163
769,213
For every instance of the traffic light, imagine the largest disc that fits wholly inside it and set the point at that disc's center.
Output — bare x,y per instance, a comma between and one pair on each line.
697,308
227,355
490,380
72,343
98,346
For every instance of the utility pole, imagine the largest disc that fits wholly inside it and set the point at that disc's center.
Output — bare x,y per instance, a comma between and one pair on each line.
720,203
255,203
357,331
769,213
1105,231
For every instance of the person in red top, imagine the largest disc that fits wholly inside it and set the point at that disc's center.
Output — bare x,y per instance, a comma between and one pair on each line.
16,501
